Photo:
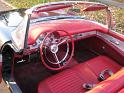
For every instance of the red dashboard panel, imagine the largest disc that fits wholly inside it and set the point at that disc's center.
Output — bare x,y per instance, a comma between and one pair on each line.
72,26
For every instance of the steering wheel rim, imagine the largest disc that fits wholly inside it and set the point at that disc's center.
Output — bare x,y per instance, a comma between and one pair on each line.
70,57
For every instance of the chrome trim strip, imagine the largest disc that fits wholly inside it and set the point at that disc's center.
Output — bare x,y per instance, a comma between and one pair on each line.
0,58
12,85
83,35
114,41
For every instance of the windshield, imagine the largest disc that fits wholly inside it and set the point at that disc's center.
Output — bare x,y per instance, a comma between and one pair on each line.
70,9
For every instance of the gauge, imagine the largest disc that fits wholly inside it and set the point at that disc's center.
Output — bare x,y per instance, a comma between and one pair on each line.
41,38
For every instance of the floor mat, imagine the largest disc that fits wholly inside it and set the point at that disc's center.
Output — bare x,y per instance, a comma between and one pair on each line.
29,75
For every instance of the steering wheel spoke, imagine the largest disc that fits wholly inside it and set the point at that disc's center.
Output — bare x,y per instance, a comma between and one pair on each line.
56,57
62,40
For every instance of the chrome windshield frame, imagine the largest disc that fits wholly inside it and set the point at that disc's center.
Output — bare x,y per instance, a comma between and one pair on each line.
108,18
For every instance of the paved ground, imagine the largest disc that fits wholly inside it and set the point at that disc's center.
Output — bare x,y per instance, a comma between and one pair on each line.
4,7
3,88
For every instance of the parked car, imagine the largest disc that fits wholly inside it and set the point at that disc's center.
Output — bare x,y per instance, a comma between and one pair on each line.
61,47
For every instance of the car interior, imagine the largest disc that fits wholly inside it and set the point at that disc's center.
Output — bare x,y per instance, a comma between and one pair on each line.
92,56
91,59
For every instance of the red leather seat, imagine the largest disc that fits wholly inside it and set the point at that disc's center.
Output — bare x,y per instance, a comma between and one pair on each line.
68,81
71,80
101,63
112,85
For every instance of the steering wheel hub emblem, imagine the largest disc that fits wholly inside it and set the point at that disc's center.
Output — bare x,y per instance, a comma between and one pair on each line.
54,48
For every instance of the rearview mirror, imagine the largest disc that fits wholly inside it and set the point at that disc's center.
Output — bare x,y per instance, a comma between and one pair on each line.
77,10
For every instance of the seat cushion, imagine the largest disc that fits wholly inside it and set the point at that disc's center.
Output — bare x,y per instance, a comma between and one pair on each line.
85,73
71,80
112,85
64,82
100,63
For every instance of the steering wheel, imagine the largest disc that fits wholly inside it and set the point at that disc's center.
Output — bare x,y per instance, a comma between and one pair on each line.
57,49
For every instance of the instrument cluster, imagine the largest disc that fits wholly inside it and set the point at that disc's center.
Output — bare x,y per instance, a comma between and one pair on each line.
38,42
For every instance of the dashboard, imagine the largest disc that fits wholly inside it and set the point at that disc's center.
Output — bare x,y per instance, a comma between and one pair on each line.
79,36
